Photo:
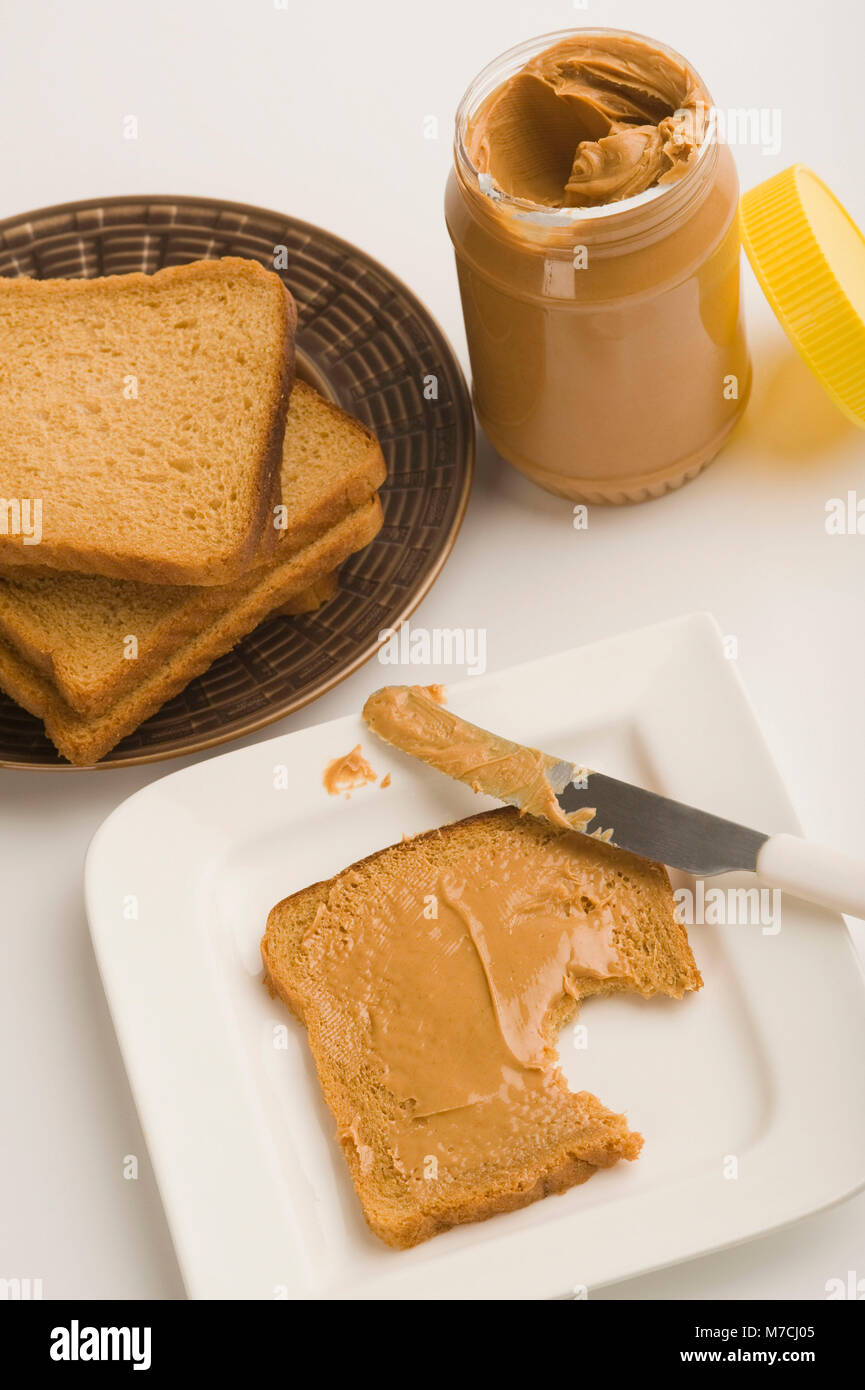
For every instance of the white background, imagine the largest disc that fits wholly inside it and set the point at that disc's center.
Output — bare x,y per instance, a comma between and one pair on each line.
318,110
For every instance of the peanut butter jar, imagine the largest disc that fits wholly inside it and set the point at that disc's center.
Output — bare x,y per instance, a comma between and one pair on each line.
593,213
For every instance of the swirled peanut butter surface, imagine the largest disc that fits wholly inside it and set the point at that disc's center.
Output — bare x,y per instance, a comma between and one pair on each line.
451,975
592,120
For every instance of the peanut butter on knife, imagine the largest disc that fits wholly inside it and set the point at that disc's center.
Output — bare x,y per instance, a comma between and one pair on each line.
410,719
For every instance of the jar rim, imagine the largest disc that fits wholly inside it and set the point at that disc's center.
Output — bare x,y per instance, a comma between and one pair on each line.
524,209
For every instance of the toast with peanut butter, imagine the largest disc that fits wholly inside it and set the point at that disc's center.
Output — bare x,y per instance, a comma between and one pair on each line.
433,979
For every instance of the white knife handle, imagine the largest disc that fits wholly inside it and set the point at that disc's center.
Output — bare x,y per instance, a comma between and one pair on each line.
812,872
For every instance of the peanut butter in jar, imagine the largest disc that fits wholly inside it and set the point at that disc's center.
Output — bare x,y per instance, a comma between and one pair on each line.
593,213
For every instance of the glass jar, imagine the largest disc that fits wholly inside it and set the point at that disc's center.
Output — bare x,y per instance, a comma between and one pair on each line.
607,346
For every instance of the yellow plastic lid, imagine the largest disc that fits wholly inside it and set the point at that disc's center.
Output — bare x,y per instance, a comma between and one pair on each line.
809,257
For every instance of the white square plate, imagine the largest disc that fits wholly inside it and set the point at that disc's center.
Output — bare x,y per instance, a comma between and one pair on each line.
754,1076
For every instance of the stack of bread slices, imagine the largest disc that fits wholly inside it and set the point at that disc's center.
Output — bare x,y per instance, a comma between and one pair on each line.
165,485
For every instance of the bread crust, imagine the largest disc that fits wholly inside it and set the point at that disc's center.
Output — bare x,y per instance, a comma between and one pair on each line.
262,536
311,599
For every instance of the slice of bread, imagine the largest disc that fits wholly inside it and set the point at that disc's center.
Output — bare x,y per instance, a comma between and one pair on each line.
144,415
76,629
84,739
313,598
355,991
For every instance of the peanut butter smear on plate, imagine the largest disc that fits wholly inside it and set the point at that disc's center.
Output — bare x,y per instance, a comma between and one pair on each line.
592,120
347,773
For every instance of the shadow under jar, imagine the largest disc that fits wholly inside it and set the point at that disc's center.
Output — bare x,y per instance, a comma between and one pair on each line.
604,326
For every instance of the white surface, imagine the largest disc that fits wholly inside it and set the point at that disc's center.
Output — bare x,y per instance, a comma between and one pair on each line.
319,110
256,1191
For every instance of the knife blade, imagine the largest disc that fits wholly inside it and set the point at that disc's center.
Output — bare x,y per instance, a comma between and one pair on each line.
629,817
654,826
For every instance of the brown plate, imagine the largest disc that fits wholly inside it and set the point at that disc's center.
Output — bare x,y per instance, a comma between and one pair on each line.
365,341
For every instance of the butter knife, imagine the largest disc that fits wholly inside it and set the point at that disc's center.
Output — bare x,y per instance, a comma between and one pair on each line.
702,844
624,815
